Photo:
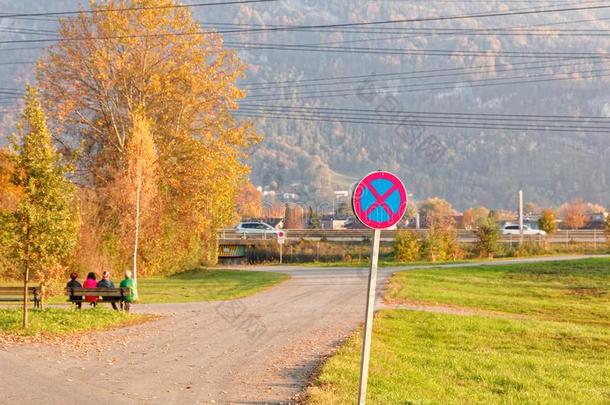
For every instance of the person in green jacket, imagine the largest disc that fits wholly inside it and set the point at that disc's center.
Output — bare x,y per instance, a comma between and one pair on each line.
128,283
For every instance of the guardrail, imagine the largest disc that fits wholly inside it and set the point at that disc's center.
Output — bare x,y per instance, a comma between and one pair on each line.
563,236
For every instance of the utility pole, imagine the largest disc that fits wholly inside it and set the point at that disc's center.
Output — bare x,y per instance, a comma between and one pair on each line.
520,216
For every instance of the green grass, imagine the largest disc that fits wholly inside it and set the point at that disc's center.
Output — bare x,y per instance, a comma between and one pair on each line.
53,321
383,263
388,262
577,291
200,285
549,342
425,358
195,285
206,285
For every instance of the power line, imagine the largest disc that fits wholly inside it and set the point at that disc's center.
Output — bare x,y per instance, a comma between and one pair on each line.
376,50
17,63
356,119
368,76
518,30
415,113
307,27
120,10
414,88
415,52
373,77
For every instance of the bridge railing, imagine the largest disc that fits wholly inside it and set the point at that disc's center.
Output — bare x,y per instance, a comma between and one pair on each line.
562,236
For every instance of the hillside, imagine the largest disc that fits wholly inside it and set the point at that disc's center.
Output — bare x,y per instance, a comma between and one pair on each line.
417,98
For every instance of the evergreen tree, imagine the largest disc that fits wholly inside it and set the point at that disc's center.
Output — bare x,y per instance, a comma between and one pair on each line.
45,223
314,219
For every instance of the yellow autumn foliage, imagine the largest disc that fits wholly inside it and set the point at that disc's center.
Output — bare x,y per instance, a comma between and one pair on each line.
108,64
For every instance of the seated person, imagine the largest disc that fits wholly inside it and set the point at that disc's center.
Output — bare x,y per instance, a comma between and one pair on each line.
105,282
74,283
128,283
90,283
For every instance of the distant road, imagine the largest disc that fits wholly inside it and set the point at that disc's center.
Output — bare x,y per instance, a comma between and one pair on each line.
227,236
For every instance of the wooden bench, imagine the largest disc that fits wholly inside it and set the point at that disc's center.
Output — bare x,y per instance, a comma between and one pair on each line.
120,295
15,294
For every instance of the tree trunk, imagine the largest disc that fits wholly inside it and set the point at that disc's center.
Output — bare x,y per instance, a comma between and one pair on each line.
137,228
25,296
26,276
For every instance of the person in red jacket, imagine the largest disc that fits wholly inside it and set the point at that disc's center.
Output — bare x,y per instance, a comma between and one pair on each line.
90,283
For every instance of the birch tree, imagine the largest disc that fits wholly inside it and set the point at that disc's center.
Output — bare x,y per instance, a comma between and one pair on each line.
140,182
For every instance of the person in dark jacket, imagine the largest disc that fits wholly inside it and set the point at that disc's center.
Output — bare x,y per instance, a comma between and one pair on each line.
74,283
105,282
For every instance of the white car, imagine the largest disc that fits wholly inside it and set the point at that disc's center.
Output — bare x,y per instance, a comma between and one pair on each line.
259,228
510,229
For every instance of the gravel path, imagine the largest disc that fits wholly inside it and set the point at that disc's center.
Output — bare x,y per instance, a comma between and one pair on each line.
260,349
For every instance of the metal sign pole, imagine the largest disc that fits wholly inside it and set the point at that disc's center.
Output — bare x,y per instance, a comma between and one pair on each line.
281,238
379,200
368,324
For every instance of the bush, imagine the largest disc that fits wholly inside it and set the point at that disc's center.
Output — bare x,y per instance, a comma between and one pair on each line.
529,249
547,222
407,247
451,246
488,239
441,242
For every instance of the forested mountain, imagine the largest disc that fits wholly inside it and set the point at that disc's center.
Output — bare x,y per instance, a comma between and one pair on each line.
439,101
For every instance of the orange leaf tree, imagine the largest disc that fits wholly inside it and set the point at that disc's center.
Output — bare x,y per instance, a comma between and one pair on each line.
249,202
107,65
10,195
574,213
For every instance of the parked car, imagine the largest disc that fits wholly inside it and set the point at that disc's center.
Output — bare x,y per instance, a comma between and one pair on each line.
511,229
259,228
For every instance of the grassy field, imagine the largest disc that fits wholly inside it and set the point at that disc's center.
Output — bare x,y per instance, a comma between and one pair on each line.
53,321
206,285
576,291
199,285
195,285
381,263
424,358
556,350
386,260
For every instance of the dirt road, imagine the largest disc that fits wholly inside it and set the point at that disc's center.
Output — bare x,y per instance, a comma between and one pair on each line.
260,349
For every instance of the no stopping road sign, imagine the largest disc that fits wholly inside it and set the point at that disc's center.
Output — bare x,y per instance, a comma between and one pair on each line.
380,200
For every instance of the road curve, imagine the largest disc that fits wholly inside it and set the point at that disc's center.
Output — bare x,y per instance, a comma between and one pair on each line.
260,349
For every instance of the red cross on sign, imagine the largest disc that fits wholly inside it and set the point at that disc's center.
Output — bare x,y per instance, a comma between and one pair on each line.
380,200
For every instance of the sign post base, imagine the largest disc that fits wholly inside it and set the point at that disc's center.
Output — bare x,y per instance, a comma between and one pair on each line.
368,323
